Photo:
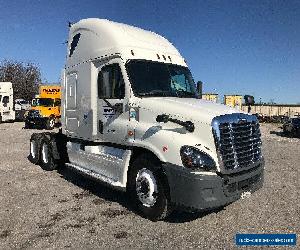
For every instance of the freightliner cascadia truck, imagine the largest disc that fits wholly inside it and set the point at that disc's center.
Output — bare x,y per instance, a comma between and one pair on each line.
131,118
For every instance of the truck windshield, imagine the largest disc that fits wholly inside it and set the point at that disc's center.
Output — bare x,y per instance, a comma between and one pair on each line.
150,78
23,102
45,102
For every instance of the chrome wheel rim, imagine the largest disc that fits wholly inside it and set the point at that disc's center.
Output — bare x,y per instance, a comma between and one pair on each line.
146,187
51,122
45,153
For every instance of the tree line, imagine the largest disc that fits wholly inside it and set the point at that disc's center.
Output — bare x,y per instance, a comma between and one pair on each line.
25,77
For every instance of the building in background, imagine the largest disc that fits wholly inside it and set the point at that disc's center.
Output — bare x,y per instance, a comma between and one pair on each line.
210,97
234,101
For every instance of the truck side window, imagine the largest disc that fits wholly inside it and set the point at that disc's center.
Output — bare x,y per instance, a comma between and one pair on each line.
74,44
5,100
110,82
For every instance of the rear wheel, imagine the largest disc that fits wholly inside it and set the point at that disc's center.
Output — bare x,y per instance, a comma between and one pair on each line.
34,154
148,188
47,160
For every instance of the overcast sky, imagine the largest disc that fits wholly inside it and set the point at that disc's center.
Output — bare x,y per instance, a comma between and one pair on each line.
234,47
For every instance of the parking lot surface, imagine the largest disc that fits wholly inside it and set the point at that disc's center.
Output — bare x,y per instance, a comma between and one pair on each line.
62,209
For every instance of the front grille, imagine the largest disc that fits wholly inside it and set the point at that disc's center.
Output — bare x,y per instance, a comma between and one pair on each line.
33,113
238,142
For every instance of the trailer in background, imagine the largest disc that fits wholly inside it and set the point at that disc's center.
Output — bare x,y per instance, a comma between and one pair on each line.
278,113
7,112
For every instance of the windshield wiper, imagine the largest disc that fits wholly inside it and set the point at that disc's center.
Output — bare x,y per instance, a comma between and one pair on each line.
184,93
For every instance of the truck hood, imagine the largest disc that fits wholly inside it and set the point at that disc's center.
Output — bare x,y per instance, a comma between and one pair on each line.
186,108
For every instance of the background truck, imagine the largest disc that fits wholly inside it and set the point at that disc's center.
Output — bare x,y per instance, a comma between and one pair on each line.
21,107
45,108
132,118
7,112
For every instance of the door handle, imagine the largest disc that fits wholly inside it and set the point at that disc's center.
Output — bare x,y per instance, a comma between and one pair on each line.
100,127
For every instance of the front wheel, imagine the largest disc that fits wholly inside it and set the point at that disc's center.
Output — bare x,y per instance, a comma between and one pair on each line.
148,188
50,123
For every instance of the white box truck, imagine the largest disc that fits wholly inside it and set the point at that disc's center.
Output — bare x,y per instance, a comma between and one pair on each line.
131,118
7,112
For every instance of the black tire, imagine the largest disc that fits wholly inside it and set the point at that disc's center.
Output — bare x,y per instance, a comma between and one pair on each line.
161,208
47,161
28,125
50,123
34,153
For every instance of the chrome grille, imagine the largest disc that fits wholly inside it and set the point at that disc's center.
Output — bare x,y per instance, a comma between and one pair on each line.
238,141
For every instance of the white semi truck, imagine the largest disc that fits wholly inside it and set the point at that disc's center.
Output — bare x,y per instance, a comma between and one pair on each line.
131,118
7,112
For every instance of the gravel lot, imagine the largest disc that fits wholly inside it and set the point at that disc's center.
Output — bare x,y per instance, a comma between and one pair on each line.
62,209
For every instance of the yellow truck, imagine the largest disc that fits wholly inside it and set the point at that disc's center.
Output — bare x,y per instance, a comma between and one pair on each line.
45,108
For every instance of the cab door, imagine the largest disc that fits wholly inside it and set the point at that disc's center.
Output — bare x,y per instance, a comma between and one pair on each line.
112,114
71,103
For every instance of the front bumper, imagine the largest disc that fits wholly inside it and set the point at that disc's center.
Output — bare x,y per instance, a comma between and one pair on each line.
191,191
37,121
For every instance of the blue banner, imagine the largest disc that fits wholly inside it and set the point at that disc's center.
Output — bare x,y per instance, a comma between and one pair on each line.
266,239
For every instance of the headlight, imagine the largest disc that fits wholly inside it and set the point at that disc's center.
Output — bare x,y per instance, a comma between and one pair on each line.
193,158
